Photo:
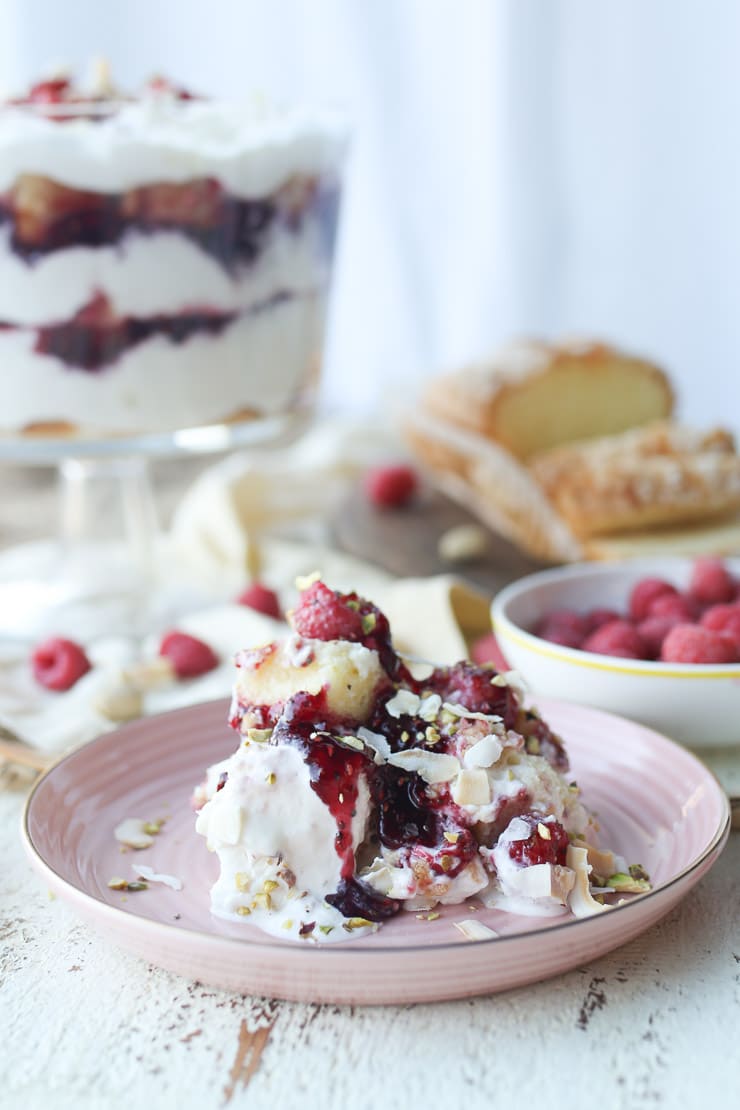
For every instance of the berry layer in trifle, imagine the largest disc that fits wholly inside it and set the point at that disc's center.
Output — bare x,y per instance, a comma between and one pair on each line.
360,790
164,259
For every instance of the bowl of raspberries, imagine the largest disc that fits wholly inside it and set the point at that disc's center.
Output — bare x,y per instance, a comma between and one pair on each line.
657,640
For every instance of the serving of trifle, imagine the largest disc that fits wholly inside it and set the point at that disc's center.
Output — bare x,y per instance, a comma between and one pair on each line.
364,785
164,259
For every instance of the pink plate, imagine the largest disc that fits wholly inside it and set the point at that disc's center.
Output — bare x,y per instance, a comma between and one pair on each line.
657,805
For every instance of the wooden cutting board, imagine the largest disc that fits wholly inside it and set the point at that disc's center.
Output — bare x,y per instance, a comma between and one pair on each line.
405,541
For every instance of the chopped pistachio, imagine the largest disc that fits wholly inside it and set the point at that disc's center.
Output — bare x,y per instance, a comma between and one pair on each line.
637,871
326,929
243,911
288,923
446,862
137,884
451,837
269,885
353,605
405,737
369,622
270,779
533,745
117,883
351,742
356,923
263,900
432,916
432,735
625,884
241,881
153,827
259,735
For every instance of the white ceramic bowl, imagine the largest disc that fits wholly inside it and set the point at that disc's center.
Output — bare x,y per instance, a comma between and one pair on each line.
699,705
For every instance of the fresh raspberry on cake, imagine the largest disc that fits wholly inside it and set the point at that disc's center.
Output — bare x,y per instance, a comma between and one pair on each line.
324,614
189,656
692,643
58,663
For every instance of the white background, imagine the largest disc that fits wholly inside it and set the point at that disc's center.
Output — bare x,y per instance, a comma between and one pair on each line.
539,166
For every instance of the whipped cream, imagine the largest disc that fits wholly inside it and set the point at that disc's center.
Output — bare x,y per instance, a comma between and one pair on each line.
250,147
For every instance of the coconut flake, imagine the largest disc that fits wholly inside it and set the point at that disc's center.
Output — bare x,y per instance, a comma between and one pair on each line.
471,788
131,832
474,930
429,707
403,702
484,753
460,711
377,742
512,679
152,876
432,766
580,900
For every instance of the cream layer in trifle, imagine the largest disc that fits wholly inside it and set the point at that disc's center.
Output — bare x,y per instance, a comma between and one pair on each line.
164,260
359,790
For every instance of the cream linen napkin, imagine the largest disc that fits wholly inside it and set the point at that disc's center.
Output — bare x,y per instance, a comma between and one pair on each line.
218,532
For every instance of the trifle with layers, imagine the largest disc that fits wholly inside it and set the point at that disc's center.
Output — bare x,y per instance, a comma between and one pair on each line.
360,789
164,259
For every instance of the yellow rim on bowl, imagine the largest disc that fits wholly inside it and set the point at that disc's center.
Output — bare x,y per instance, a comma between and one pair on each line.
504,630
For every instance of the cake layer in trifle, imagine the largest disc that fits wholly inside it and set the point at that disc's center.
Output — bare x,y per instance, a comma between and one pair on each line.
142,237
360,789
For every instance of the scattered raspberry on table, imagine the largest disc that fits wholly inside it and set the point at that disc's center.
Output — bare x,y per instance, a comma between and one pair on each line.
189,656
391,487
58,663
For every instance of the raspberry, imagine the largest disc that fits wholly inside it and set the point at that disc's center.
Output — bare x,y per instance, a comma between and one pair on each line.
653,631
391,487
596,617
322,614
189,656
486,650
538,848
260,598
711,582
644,593
724,619
471,686
563,626
679,606
692,643
58,664
616,638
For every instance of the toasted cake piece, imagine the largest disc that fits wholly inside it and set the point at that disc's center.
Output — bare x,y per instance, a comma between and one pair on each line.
661,474
533,395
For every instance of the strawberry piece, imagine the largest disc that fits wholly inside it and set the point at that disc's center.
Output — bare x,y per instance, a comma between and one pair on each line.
58,663
692,643
260,598
189,656
711,582
391,487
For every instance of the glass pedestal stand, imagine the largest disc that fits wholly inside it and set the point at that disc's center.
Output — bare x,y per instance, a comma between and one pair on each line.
102,572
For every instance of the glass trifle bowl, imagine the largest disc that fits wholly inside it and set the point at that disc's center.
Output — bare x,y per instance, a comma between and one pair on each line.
164,260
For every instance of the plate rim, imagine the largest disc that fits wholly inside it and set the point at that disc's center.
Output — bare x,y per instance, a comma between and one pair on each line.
115,913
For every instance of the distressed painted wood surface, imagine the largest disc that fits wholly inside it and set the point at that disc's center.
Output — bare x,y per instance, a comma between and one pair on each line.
88,1027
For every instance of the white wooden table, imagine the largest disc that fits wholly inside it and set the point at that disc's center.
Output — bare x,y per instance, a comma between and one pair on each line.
85,1026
